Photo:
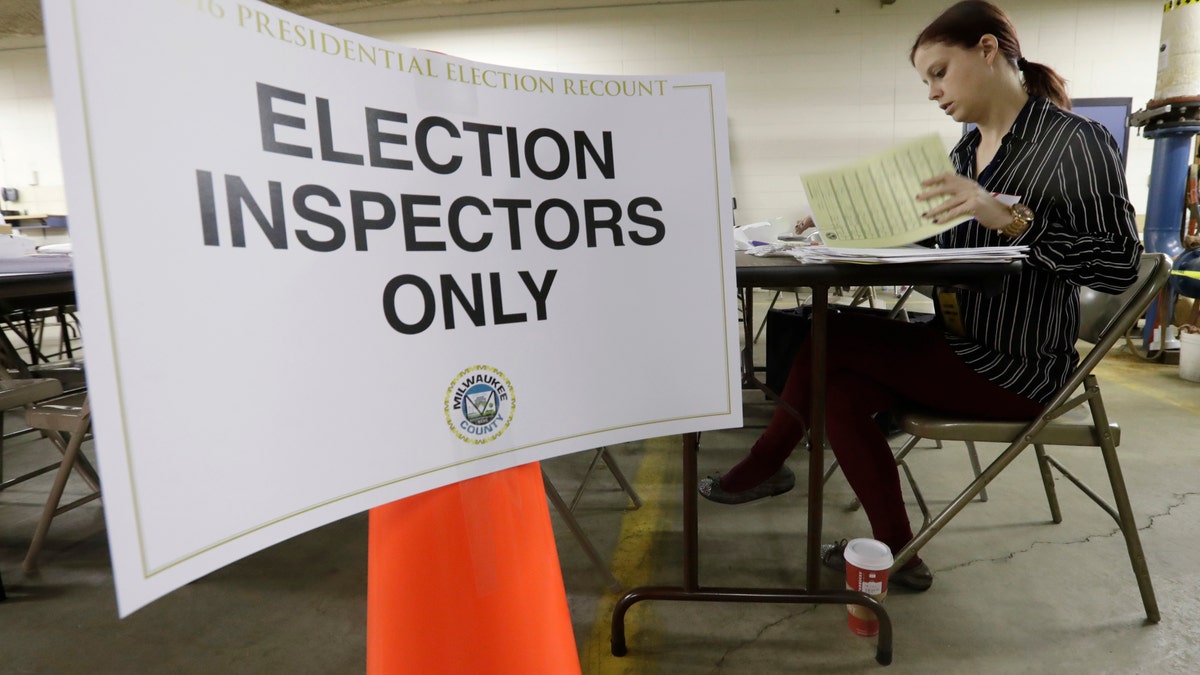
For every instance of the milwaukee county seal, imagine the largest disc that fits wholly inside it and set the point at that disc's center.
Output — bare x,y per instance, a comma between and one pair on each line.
479,404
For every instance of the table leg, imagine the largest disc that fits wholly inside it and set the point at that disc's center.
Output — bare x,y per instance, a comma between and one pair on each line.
819,341
816,434
691,538
748,377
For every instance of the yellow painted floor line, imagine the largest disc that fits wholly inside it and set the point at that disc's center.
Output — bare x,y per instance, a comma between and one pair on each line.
633,561
1131,375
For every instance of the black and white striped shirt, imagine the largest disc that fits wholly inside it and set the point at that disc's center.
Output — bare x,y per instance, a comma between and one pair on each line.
1068,170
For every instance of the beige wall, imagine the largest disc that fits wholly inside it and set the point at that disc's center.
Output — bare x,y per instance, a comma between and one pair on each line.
811,83
28,137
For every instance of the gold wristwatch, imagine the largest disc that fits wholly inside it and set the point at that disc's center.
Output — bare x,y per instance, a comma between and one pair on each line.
1022,216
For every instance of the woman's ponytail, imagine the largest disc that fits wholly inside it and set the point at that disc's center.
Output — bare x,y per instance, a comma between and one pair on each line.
1043,81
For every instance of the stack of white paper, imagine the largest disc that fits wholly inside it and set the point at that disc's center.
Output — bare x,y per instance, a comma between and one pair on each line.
55,249
829,254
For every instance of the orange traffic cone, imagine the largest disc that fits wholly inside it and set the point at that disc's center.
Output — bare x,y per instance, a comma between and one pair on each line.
465,579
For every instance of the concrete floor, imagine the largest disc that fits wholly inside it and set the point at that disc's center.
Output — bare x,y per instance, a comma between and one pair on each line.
1013,592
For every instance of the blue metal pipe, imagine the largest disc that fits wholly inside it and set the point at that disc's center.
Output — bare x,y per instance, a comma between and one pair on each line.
1165,207
1168,180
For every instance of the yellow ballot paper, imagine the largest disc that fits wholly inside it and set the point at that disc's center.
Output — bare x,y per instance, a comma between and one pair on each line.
872,203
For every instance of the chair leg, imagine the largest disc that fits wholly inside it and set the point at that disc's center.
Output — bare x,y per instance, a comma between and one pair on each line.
580,536
70,453
587,475
64,335
620,476
975,466
1133,543
833,467
1048,482
971,454
1123,515
87,472
602,453
926,516
907,447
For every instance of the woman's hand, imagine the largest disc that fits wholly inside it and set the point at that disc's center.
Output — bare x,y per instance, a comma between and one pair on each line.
964,197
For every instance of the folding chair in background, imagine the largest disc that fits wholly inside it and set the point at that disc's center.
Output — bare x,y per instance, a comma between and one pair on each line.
567,511
18,393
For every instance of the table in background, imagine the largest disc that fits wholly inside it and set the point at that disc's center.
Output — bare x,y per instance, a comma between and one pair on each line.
774,272
40,221
31,283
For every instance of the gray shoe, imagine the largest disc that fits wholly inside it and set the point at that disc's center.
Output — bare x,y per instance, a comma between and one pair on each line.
833,555
782,481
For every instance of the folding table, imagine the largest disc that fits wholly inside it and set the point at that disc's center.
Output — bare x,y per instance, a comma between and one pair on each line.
780,271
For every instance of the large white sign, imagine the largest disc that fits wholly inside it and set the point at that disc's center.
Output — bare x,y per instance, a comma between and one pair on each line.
321,272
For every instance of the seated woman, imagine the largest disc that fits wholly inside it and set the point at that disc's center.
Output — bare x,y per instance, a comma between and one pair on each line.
1030,173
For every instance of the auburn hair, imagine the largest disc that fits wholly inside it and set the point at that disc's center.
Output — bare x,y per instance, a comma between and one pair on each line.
965,23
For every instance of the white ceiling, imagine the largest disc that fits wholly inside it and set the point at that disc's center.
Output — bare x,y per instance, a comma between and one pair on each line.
23,18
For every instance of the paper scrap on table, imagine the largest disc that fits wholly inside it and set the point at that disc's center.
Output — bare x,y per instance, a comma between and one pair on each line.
872,202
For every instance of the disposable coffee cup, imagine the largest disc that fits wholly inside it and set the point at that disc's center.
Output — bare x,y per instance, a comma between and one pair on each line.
867,565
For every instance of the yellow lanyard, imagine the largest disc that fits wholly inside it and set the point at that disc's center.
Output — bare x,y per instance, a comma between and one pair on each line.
948,302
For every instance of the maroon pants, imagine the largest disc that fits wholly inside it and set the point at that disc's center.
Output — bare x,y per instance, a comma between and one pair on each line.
874,365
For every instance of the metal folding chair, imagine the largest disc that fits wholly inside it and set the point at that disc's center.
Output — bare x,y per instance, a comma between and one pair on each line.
1073,417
